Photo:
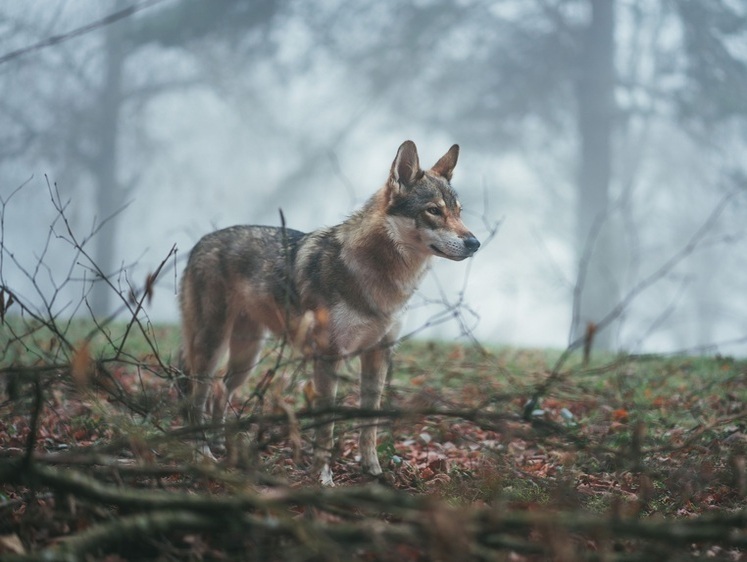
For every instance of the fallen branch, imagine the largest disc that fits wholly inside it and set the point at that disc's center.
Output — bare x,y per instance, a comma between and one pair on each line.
417,521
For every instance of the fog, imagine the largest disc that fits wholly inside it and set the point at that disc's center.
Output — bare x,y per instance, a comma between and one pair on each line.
602,152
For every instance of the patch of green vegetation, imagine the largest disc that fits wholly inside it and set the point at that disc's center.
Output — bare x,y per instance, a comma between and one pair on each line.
464,487
598,503
525,491
28,341
385,449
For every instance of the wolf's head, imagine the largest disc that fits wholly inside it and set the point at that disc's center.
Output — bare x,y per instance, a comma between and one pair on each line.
423,211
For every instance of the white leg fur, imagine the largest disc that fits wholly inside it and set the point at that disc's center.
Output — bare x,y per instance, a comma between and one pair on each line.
325,384
373,376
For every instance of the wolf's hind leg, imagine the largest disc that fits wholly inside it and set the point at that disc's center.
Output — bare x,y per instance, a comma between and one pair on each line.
202,356
243,349
325,385
205,352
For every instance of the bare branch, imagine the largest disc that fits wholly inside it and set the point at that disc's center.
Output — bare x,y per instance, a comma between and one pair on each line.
88,28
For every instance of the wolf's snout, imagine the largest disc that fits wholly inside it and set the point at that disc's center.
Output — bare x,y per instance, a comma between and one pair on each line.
472,244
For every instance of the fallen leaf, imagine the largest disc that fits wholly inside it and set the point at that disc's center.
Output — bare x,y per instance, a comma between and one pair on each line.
620,415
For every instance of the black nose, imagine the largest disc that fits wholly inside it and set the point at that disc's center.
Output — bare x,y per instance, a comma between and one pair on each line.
471,243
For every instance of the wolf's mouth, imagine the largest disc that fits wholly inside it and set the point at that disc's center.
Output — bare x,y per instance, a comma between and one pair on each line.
441,253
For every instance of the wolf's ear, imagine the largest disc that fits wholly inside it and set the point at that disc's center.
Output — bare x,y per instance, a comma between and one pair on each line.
445,166
406,166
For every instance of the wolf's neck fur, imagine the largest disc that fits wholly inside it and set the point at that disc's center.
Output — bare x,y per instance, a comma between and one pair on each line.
375,250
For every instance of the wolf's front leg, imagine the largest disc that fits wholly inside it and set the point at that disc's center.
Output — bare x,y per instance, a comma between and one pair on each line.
325,385
374,366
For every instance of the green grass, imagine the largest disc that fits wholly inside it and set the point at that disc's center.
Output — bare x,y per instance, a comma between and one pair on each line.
27,340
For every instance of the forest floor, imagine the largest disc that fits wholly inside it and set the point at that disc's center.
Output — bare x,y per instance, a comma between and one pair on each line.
625,458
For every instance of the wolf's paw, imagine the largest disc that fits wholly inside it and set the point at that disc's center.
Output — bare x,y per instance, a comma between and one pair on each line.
325,476
203,453
372,473
384,479
218,447
372,467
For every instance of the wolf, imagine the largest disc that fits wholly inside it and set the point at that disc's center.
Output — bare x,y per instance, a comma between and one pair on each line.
336,292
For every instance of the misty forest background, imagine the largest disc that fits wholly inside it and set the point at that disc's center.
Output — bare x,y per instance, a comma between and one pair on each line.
602,167
606,137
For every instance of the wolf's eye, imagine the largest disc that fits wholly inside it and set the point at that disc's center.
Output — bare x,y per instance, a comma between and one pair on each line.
435,211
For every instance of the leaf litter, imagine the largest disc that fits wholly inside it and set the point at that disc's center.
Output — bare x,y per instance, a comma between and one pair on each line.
651,439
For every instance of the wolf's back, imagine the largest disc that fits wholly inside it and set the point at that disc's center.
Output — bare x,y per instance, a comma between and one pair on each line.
239,258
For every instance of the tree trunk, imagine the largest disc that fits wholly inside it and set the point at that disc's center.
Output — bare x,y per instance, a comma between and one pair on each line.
109,197
597,281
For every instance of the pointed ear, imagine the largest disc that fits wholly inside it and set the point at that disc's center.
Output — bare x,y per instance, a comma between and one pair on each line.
406,166
445,166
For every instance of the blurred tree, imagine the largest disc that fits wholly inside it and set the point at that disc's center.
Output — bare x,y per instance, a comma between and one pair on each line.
510,75
714,37
579,83
91,110
102,160
177,25
600,276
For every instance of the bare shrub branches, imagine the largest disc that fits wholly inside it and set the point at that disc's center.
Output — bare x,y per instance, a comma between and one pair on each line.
585,339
